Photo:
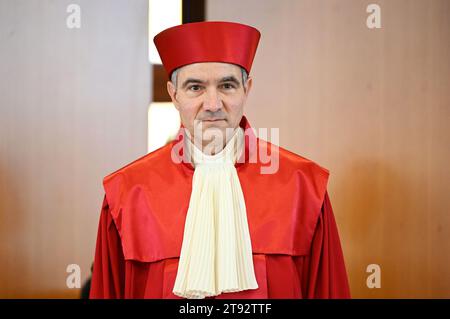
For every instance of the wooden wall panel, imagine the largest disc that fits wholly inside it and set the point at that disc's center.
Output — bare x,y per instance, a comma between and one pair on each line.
73,108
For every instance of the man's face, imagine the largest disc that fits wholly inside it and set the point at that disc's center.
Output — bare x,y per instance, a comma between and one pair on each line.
210,96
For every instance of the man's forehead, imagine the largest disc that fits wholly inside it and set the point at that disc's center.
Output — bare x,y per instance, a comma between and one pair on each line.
207,69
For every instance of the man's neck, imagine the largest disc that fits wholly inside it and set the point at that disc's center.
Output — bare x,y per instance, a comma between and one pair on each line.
214,145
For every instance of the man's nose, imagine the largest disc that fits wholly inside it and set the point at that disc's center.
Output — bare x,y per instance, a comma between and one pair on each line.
212,101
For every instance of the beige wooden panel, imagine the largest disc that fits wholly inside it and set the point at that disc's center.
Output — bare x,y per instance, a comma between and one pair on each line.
373,106
73,108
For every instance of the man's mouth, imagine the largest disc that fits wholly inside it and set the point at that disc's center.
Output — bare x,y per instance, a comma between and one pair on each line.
213,120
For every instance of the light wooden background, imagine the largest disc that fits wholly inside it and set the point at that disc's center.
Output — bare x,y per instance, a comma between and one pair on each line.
73,108
373,106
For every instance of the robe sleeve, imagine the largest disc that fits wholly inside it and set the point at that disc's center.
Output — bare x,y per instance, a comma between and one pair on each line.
109,263
323,270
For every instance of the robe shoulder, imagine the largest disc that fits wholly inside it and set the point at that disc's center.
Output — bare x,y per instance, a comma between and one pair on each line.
142,172
149,162
293,192
148,200
300,163
310,175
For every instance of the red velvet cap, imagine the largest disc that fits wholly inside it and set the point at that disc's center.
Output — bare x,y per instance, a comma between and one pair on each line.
210,41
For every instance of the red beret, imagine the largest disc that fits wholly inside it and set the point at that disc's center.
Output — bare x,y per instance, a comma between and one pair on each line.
210,41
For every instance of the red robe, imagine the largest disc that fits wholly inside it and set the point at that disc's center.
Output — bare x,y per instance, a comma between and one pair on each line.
295,241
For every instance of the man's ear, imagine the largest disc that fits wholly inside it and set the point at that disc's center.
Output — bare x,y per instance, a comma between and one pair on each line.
173,94
248,86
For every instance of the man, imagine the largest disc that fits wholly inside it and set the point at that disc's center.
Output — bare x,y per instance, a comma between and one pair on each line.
203,217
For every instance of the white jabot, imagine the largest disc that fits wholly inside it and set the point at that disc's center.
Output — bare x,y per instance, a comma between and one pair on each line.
216,254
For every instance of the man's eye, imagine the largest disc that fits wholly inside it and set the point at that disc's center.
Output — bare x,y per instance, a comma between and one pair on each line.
194,87
228,86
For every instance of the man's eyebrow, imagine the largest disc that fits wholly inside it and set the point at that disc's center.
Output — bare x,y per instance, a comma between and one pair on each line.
191,80
230,78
